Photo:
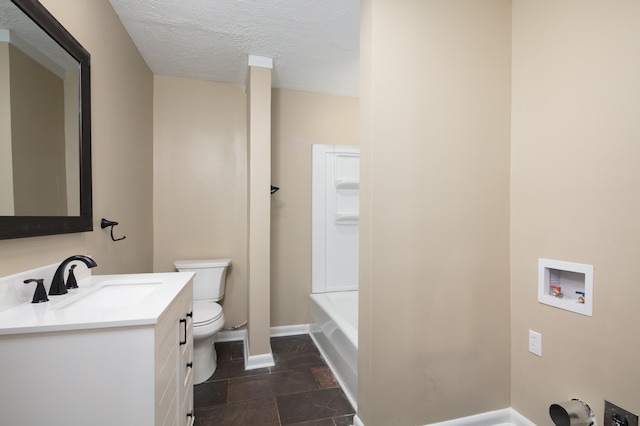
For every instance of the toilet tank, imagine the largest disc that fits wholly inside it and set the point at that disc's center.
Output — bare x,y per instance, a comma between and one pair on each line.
209,279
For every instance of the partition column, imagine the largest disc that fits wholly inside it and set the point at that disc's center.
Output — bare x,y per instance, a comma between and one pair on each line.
257,347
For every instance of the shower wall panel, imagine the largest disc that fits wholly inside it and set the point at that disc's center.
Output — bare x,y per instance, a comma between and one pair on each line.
335,209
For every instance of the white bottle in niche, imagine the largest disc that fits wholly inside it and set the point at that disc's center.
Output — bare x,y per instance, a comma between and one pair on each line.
566,285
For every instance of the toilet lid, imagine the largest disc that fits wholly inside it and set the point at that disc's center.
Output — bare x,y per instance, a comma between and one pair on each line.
204,312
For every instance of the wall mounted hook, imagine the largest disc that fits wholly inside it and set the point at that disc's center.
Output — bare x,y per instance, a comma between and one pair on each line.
106,223
274,189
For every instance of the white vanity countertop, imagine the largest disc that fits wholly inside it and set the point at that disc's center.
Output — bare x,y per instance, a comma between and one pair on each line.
62,313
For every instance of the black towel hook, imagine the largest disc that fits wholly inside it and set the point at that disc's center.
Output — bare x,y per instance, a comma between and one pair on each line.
105,223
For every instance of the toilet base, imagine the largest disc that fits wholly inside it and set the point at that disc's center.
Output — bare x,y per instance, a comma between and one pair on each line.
205,359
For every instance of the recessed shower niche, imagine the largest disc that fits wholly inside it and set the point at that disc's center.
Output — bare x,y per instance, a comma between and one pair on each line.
566,285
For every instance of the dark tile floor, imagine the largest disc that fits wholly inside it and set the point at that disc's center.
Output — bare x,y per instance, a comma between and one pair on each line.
299,390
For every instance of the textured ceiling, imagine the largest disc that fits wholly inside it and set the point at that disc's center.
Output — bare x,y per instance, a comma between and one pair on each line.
314,43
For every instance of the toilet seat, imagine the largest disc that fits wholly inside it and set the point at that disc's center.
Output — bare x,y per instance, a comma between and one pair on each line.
205,313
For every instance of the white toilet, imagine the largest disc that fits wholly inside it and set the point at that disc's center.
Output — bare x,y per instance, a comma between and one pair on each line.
208,318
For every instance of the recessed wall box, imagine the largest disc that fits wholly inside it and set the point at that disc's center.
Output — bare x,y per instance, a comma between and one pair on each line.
566,285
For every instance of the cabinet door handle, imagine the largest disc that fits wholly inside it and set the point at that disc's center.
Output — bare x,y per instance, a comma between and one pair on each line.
190,314
183,321
190,365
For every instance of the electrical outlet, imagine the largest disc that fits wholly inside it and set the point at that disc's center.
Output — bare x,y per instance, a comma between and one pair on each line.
535,343
616,416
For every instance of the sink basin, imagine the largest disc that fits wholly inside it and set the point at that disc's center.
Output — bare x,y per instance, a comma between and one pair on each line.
113,295
100,301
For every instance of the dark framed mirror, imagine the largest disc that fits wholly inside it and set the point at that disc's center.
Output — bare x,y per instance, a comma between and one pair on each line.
45,125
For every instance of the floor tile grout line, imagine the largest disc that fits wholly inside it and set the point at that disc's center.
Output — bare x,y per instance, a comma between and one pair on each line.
278,410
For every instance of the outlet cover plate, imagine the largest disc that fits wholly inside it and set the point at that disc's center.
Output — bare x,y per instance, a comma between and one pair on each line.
535,343
616,416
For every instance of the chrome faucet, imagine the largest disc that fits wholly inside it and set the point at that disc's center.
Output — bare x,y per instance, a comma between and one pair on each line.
57,284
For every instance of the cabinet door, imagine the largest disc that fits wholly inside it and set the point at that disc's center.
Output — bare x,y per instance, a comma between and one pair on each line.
167,363
186,360
174,362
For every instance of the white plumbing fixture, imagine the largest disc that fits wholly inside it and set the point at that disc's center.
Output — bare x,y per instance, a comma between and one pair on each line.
208,318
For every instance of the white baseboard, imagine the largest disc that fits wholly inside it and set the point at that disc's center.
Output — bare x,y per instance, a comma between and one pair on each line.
262,360
280,331
289,330
230,335
253,362
504,417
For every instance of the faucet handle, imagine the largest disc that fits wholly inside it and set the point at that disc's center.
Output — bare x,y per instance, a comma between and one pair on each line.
41,294
71,279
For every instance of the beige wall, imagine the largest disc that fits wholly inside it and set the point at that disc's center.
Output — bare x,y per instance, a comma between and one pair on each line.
574,197
435,152
122,131
572,177
200,180
299,120
435,90
200,143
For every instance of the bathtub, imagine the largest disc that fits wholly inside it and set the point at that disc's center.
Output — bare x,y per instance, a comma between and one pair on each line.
334,329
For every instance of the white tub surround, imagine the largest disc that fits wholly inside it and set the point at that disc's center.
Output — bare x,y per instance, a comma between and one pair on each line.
334,329
335,218
333,307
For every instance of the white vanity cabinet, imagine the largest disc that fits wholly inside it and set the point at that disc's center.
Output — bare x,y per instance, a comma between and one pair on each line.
103,372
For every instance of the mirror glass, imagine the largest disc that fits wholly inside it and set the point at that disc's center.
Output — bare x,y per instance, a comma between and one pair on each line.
45,165
38,121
